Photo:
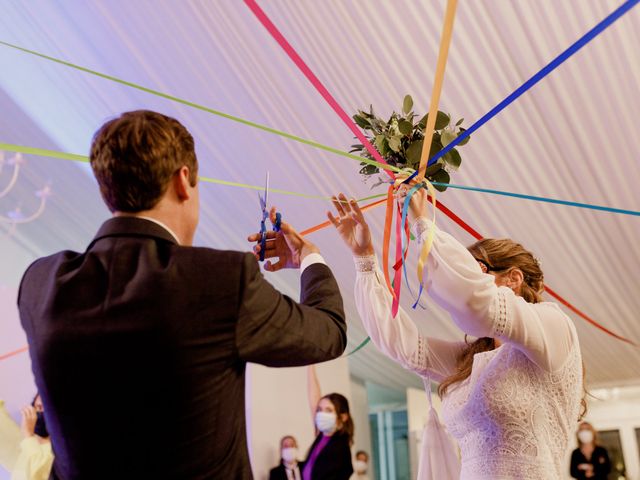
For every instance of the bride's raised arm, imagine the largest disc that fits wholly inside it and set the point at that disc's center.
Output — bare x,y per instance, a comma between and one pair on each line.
398,338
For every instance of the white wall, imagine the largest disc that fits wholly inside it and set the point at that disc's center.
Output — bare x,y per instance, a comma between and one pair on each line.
359,405
276,405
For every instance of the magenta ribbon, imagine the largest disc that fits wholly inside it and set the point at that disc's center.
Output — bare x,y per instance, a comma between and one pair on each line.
315,81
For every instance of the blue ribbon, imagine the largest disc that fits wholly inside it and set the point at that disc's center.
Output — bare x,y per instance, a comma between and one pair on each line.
540,199
405,210
586,38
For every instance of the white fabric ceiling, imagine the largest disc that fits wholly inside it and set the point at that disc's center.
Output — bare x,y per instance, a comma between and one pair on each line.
573,136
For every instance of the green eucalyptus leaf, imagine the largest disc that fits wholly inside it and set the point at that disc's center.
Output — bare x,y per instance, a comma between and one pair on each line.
436,146
466,140
361,121
442,120
432,169
405,127
446,137
407,104
394,143
453,158
369,170
413,153
382,144
441,176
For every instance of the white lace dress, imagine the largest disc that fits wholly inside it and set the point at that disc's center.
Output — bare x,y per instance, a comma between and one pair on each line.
514,415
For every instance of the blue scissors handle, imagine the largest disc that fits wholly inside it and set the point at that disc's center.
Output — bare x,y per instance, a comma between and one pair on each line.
263,240
278,225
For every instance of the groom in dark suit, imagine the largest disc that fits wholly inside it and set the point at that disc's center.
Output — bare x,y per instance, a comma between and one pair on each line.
139,344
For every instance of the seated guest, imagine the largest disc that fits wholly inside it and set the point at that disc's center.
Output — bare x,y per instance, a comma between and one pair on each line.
289,468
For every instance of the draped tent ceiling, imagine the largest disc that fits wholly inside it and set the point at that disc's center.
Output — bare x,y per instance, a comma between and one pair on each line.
572,136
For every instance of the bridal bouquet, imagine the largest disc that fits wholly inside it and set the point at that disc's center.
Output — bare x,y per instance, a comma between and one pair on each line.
399,140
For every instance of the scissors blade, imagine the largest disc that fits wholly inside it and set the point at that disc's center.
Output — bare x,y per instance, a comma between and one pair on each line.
266,191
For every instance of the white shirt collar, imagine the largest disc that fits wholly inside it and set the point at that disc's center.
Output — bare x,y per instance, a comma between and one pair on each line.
158,222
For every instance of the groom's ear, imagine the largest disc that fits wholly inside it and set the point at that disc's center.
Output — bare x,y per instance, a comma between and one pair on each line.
181,183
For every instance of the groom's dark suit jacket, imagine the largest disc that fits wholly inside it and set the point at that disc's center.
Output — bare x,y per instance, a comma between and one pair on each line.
139,347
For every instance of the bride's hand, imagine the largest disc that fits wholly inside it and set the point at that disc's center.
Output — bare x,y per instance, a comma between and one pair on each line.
351,225
419,200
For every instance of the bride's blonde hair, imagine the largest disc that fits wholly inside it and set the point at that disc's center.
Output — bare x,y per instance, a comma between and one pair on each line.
500,256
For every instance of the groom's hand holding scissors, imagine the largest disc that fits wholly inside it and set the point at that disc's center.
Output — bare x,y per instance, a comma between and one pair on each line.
287,245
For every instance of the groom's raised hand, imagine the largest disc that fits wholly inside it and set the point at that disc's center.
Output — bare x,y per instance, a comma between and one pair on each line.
287,245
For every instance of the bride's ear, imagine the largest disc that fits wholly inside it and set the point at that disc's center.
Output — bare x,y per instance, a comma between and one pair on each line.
515,279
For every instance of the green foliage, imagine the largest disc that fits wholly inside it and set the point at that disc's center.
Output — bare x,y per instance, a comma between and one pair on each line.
400,141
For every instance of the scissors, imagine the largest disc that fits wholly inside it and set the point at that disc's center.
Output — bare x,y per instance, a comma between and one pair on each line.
265,215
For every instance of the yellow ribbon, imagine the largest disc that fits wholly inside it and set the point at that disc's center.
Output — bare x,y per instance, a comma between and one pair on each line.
445,41
426,246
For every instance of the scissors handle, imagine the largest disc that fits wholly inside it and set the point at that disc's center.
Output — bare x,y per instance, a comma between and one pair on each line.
263,240
263,233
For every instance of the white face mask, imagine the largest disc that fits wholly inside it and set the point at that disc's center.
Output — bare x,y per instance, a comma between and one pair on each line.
585,436
360,466
289,455
326,422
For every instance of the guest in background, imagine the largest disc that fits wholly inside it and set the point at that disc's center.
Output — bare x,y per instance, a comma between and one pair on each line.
329,457
361,466
289,468
589,460
10,439
35,457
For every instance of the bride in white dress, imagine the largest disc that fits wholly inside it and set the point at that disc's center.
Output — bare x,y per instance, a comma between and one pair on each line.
511,398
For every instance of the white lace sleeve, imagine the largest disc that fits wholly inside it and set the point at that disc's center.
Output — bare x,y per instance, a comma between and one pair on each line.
398,338
480,308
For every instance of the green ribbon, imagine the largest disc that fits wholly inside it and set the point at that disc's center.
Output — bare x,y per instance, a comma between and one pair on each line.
359,347
218,113
81,158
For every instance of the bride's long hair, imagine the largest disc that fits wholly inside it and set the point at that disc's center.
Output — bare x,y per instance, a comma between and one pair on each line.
502,256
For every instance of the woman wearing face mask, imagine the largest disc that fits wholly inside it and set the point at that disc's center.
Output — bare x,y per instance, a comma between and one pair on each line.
289,468
329,457
511,396
36,457
361,466
589,460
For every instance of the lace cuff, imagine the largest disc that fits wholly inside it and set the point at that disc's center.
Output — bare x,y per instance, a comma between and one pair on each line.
421,225
499,314
420,358
367,264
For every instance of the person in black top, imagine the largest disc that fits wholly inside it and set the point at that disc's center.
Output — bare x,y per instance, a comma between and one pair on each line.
156,332
589,460
289,468
329,457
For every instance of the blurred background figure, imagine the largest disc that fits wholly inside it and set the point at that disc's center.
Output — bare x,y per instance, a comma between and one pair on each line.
589,460
289,468
361,466
330,454
35,456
